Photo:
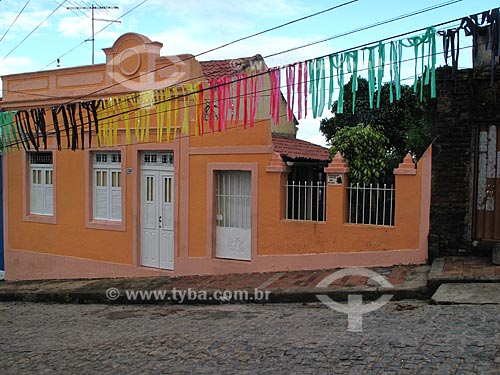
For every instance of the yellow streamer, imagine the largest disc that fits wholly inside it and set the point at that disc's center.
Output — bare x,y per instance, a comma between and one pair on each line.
175,109
186,90
124,109
168,109
160,113
116,112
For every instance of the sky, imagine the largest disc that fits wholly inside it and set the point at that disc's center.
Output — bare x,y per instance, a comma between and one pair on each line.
46,30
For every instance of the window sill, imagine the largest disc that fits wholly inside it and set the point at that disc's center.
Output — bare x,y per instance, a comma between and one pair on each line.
304,221
106,225
45,219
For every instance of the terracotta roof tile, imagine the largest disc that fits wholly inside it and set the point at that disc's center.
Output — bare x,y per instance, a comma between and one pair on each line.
220,68
297,149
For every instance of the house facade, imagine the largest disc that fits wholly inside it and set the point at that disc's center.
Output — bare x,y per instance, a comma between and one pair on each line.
120,170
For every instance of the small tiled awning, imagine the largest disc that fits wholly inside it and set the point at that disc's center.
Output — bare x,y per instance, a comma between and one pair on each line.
292,149
220,68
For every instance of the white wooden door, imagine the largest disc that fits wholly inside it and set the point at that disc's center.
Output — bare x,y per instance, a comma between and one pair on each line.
234,215
157,216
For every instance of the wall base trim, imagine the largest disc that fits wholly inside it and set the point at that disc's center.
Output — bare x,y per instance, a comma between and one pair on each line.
28,265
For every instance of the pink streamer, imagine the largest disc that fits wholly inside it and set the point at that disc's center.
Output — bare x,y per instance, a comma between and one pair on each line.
245,101
305,88
275,80
290,92
239,78
211,118
299,92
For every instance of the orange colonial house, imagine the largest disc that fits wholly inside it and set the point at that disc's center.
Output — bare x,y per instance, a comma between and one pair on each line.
133,168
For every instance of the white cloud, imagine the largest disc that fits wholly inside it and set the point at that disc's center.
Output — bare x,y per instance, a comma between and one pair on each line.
13,65
309,131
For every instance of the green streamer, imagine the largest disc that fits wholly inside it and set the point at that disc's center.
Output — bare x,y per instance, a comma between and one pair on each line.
2,132
380,73
321,102
433,61
7,128
395,70
312,85
371,73
352,67
428,70
339,66
332,85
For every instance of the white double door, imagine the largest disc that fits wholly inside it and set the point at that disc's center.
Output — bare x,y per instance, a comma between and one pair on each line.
157,218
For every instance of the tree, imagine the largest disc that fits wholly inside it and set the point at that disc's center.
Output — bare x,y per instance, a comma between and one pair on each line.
366,150
404,122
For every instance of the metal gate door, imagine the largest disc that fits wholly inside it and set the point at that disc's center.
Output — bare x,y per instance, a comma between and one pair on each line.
234,215
487,217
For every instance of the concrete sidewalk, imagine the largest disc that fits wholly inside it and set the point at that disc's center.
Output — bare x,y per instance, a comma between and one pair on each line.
462,270
406,282
299,286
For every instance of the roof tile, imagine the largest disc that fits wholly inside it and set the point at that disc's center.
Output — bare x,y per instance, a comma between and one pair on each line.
219,68
297,149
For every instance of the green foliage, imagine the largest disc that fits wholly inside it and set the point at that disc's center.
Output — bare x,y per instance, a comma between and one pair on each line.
366,150
404,122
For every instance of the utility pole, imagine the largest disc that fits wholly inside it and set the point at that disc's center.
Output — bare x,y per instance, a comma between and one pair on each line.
93,7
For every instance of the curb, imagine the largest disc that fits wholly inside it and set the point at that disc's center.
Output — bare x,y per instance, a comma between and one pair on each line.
289,295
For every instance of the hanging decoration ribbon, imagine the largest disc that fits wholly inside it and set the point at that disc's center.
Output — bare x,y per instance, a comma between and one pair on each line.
231,101
428,71
290,90
396,51
275,101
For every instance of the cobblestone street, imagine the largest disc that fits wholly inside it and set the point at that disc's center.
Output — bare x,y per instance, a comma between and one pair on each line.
402,338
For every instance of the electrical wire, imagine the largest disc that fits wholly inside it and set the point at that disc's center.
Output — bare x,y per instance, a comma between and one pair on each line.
348,33
204,52
96,33
376,24
194,105
32,31
15,19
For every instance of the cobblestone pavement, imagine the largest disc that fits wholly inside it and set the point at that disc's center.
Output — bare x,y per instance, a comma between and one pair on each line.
402,338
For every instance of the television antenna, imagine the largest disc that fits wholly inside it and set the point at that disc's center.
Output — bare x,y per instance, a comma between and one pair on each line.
93,8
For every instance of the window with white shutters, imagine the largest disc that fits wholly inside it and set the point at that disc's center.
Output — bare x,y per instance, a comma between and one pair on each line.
41,184
107,197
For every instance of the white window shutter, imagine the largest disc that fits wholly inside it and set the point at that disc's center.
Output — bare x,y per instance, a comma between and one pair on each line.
49,200
41,184
100,202
116,204
107,197
36,199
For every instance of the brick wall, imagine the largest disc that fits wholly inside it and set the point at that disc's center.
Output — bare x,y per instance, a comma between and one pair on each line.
462,105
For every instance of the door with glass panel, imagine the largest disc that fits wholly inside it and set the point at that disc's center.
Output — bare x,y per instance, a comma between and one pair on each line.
157,210
234,215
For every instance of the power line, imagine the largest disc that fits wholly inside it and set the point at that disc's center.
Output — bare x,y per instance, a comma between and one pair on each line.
229,43
15,19
274,28
83,42
233,97
32,31
278,27
411,14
